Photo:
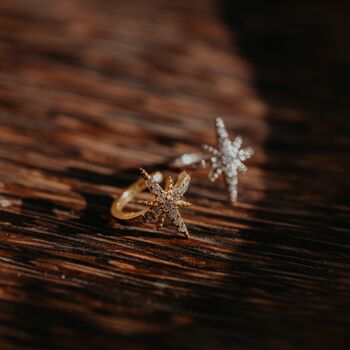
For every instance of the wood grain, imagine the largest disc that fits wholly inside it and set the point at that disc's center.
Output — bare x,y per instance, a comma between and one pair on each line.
92,90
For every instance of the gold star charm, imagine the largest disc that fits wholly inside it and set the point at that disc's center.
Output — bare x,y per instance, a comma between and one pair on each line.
167,202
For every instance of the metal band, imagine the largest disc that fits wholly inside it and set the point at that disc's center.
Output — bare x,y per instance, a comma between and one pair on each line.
128,195
190,160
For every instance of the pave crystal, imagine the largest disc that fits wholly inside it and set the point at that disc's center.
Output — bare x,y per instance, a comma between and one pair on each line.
227,159
166,202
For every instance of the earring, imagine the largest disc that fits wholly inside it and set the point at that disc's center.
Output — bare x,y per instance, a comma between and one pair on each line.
165,204
225,159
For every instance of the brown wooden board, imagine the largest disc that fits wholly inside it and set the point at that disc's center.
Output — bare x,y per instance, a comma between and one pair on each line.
92,90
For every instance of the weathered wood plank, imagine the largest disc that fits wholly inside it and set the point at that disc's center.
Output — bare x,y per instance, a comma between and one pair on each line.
92,90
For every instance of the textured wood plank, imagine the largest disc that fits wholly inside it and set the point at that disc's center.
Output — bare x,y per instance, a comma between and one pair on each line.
92,90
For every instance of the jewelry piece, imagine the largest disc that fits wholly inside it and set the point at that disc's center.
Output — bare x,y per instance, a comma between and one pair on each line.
225,159
166,203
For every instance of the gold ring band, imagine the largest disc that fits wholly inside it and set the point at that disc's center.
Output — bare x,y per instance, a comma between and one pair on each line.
117,208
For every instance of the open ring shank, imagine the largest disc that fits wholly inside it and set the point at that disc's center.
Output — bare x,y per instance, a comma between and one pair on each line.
127,196
189,160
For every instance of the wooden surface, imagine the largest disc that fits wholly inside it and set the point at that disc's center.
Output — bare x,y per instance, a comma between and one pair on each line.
92,90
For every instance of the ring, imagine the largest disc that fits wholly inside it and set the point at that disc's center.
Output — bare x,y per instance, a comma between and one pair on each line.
225,159
165,204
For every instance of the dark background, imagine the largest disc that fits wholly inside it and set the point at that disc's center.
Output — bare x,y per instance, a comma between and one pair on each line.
92,90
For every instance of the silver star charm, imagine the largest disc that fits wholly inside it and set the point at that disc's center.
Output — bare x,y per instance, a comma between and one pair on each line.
227,159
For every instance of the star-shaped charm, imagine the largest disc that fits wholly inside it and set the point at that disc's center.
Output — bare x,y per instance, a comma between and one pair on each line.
227,159
167,202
